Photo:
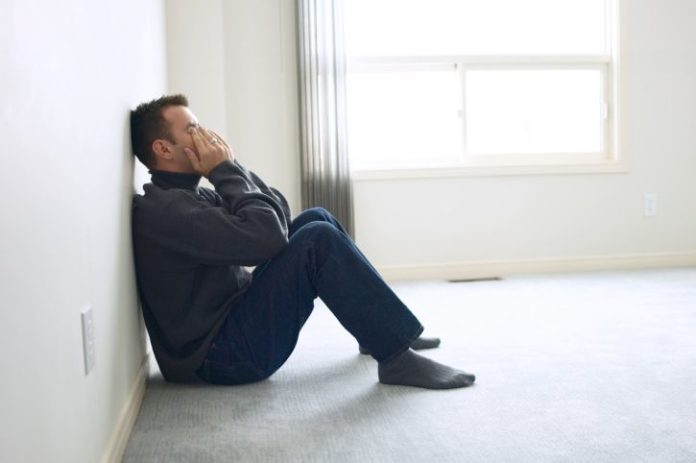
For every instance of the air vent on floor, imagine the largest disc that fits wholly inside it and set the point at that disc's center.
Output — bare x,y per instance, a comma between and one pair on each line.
472,280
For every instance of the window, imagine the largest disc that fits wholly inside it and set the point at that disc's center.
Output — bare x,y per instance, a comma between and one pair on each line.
480,83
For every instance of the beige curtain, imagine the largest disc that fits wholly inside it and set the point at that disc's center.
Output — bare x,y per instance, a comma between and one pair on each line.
324,164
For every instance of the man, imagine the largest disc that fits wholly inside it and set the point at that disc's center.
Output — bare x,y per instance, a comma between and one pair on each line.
207,316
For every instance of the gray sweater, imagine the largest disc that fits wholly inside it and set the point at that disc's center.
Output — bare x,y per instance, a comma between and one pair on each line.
190,246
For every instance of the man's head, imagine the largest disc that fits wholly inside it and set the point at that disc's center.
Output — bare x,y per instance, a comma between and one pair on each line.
160,132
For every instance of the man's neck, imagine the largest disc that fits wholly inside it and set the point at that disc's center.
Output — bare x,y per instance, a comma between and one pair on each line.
173,168
171,179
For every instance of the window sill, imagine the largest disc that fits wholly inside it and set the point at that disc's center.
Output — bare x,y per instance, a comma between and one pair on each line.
602,167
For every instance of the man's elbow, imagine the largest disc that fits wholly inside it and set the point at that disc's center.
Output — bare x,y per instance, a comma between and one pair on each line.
270,237
276,243
272,244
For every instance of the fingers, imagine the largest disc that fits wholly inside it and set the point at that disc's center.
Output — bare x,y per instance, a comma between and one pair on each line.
219,138
209,150
219,142
193,158
226,147
213,138
198,139
206,138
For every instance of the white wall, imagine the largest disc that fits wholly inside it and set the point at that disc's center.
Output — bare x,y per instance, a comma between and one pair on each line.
195,58
69,73
235,60
453,227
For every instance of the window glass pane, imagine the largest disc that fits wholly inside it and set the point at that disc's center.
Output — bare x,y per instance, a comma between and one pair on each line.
454,27
404,118
534,111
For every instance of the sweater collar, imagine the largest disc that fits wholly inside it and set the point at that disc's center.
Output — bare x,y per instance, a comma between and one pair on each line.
165,179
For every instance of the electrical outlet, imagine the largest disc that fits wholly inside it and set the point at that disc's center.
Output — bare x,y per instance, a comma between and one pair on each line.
88,338
649,205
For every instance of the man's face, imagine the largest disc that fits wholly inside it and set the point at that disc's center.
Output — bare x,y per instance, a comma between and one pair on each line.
180,120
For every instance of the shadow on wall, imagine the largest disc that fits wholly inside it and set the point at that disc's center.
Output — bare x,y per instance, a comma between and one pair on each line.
135,175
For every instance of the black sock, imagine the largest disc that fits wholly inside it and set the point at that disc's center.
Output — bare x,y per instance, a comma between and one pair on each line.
418,344
412,369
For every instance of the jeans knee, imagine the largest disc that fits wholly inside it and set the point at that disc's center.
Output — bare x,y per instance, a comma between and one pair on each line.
317,230
318,214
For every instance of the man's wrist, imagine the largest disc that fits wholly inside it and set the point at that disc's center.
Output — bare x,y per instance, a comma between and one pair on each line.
212,171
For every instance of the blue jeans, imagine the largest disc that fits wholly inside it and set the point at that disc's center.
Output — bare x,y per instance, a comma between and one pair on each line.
320,260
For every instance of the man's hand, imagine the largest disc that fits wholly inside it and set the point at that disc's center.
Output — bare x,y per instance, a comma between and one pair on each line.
211,150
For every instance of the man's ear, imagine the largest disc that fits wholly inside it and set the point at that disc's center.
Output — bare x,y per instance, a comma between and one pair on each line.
162,150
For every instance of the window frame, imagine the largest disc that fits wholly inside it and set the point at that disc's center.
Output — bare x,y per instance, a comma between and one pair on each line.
610,160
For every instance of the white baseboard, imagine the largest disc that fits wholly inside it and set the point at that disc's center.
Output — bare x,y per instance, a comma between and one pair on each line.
129,413
488,269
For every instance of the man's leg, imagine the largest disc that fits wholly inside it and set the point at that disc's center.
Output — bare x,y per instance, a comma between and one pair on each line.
263,328
319,214
314,214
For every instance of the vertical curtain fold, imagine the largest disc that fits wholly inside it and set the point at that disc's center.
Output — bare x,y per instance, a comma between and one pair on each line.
324,164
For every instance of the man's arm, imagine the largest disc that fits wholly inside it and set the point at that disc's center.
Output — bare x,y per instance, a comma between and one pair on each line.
248,227
270,191
256,180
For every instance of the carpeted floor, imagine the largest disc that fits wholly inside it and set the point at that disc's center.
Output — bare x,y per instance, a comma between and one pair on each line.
595,367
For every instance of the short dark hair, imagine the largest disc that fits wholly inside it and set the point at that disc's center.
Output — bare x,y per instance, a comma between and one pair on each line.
148,124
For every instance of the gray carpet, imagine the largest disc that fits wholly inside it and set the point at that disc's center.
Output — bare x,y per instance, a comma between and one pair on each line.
596,367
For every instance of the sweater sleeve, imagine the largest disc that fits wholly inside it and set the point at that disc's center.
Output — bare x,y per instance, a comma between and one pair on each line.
270,191
247,229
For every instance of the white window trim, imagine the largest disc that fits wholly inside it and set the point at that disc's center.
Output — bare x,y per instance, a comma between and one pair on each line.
613,160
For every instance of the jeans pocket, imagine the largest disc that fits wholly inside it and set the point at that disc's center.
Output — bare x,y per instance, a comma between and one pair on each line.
237,373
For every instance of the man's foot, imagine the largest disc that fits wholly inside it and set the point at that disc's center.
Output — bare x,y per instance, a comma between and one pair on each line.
412,369
418,344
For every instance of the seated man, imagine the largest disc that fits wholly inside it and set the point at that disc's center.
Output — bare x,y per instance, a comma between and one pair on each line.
207,316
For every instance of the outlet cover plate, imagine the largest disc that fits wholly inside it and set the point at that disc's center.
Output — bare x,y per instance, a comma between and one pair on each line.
650,205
